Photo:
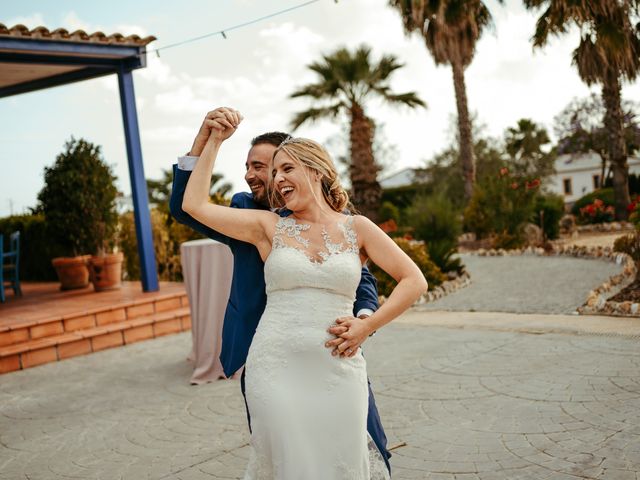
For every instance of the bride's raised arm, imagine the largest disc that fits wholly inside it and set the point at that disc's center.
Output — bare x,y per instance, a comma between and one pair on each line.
252,226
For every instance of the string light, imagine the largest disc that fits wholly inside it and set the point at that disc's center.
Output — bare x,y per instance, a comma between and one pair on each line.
223,32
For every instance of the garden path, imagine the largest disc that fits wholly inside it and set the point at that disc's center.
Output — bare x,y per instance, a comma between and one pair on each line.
526,284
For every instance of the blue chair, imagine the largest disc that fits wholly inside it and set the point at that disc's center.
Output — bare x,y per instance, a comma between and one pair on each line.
9,272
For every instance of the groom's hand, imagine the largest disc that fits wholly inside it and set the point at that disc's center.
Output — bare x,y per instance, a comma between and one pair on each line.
217,120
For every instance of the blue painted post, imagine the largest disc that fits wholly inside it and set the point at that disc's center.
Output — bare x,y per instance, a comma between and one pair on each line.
138,182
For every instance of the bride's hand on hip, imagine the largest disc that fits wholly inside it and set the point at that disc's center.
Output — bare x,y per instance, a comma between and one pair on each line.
351,333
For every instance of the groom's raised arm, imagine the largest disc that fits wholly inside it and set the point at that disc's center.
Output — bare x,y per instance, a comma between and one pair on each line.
366,294
180,179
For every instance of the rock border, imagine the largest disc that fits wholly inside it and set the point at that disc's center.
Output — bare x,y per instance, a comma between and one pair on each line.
445,289
441,290
605,227
596,302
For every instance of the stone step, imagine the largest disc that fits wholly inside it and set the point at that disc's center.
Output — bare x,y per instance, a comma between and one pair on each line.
64,345
20,332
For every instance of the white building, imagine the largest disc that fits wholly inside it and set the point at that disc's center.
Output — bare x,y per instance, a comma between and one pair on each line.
402,178
577,175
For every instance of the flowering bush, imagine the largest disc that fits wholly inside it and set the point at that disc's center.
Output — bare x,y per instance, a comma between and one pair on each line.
500,207
634,211
596,212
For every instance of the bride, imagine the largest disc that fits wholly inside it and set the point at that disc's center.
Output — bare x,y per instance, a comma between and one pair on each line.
306,389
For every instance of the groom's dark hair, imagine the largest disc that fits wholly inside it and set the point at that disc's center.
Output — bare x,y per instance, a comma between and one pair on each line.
272,138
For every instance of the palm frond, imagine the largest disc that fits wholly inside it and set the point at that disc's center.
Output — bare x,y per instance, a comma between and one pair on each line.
313,114
410,99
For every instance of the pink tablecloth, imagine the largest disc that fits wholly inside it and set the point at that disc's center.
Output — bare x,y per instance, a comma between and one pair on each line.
207,267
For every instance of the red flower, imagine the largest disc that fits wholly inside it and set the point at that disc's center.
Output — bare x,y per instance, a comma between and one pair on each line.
514,185
533,184
504,171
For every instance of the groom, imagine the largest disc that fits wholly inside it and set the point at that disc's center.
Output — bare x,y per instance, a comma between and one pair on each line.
247,298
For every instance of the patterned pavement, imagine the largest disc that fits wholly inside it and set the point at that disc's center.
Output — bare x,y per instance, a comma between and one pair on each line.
469,403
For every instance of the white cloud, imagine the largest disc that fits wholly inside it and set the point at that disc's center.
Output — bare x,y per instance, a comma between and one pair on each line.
158,72
176,133
72,22
129,29
29,21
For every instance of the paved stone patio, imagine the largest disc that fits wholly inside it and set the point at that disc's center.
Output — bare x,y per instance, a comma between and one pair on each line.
469,403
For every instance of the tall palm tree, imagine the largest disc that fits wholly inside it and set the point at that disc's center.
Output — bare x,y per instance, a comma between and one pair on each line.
608,53
451,29
346,81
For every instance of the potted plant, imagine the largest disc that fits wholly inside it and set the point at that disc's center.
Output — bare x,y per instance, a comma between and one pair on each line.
78,202
105,268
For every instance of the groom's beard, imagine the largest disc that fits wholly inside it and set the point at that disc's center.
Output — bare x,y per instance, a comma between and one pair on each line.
260,193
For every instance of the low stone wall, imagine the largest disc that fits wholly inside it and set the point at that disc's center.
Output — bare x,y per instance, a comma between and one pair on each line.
596,302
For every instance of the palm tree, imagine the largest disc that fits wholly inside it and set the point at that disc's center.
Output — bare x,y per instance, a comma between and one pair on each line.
608,53
525,145
451,29
346,81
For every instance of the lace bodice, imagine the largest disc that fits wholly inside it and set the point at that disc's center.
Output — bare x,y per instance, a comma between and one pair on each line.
304,256
289,233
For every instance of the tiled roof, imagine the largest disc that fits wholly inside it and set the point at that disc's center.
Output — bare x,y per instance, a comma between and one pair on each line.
76,36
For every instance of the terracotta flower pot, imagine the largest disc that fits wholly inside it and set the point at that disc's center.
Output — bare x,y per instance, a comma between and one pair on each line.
106,271
73,272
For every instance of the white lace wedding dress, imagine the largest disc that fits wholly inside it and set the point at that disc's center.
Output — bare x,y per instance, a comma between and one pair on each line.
308,408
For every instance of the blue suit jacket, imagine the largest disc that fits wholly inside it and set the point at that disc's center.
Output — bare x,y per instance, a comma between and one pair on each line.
247,299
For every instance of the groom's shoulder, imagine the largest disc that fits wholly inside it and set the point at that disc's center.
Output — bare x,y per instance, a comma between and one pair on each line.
243,200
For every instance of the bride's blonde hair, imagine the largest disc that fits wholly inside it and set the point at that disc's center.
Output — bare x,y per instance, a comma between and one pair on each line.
313,156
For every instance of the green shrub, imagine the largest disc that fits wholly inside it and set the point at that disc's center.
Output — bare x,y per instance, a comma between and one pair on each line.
501,204
552,208
78,200
629,244
434,220
36,247
603,194
418,253
167,236
388,211
403,196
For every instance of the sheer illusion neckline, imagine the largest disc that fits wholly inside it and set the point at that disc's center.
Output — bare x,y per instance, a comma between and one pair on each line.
290,233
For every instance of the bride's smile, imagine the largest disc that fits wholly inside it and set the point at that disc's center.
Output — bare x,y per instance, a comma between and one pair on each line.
293,183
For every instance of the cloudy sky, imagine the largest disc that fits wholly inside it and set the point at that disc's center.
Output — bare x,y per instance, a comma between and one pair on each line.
254,70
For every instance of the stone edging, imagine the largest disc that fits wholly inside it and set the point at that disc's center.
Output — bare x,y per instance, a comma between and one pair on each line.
440,291
445,288
596,301
605,227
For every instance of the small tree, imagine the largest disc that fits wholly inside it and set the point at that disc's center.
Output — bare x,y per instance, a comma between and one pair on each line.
580,129
79,199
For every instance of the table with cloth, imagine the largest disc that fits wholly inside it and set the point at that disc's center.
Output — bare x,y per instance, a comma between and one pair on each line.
207,268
